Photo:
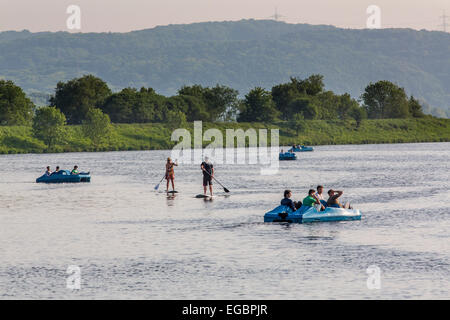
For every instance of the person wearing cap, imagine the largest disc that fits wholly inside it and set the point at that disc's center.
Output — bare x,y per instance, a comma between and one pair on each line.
170,173
208,174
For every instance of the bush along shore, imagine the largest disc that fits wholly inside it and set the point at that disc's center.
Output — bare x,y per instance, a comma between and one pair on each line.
157,136
85,115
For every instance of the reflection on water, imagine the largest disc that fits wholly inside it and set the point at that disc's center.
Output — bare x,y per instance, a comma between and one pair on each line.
134,242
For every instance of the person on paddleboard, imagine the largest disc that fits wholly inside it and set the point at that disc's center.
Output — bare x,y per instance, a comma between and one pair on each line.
170,173
208,174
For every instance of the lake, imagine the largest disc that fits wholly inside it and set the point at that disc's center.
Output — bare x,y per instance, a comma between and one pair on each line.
132,242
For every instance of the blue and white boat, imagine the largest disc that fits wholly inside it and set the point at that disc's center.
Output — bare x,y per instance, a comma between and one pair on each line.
310,214
301,149
287,156
64,176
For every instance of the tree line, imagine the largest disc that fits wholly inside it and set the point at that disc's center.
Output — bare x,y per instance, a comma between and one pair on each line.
301,98
89,100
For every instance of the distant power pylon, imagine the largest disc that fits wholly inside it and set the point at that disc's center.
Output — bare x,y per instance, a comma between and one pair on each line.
444,22
276,16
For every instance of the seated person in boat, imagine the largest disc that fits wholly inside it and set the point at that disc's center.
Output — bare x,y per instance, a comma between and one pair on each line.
288,202
311,200
48,172
75,170
319,195
333,200
56,170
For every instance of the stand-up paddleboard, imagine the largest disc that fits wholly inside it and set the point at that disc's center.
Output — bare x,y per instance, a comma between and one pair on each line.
173,191
202,196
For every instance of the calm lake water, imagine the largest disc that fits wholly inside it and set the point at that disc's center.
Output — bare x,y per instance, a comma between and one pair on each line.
133,243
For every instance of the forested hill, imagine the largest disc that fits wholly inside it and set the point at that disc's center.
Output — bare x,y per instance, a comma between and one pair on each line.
241,54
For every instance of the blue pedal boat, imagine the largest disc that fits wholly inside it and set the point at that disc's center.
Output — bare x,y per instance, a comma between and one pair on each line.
64,176
301,149
287,156
310,214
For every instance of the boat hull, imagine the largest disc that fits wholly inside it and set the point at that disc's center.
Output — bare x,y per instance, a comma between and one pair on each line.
302,149
287,156
64,176
310,214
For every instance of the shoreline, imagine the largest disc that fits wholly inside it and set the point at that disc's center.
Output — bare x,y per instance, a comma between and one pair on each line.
156,136
281,146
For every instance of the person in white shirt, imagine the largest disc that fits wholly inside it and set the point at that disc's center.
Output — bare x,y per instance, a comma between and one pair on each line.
319,195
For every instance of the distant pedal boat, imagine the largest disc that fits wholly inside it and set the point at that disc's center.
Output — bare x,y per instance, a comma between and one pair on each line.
64,176
301,149
287,156
310,214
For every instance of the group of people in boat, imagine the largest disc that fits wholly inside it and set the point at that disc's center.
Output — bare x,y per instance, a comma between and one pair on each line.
49,172
315,198
294,147
207,169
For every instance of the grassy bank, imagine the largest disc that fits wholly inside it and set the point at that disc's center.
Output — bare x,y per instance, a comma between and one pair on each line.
17,139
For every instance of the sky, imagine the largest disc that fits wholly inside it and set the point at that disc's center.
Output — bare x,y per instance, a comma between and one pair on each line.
128,15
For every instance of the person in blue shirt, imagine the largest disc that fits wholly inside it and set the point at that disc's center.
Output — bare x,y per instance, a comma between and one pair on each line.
286,201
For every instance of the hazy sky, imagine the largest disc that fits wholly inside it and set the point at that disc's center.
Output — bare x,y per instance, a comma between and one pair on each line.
126,15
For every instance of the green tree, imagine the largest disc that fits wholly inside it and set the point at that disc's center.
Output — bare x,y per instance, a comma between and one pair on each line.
345,105
284,94
150,107
359,114
176,119
311,86
306,106
48,125
193,107
15,107
76,97
258,106
119,106
133,106
298,122
415,108
385,99
97,126
219,101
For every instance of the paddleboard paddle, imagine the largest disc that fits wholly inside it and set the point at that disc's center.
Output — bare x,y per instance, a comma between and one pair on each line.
224,189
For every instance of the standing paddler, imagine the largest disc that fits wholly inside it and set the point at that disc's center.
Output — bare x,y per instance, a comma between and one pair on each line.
170,173
208,174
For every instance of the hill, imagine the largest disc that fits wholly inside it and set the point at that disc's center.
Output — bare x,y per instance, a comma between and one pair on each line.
241,54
